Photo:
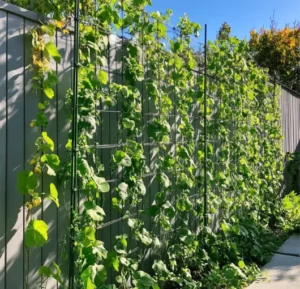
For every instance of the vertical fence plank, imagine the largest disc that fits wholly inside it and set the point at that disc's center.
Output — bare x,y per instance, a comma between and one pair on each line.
290,118
15,151
3,128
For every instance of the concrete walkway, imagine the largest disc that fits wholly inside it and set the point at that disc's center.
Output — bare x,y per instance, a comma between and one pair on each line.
283,271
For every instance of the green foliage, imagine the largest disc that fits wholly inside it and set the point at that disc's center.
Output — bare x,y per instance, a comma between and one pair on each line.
243,153
53,195
54,273
291,207
27,182
53,51
292,173
278,50
143,280
224,32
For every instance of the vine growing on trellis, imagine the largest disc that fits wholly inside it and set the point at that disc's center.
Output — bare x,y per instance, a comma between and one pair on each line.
243,152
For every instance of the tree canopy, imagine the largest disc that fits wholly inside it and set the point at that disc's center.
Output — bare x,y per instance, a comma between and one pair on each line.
279,51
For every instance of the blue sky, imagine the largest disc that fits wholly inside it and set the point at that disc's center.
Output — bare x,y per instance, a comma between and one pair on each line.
241,15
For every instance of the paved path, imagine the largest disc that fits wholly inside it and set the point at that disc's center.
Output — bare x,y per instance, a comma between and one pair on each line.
283,271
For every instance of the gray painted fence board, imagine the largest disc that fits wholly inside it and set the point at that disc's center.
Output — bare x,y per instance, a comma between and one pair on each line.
15,151
3,20
290,120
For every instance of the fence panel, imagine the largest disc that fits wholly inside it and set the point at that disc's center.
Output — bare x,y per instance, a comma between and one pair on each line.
18,106
3,171
290,120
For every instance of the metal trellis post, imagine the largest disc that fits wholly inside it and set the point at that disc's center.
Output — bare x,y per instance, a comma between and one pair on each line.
205,220
74,179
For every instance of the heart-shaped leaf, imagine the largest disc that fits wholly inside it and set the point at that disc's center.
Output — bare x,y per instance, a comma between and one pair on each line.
36,234
94,211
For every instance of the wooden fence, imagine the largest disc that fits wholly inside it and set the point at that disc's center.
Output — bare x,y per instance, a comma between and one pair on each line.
18,106
290,120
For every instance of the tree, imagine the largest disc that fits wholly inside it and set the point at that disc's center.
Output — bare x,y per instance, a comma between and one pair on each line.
279,51
224,32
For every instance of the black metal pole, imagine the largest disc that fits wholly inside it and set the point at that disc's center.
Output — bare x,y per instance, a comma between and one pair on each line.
74,180
205,220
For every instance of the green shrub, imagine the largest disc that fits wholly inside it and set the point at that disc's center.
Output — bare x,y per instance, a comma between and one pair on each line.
291,207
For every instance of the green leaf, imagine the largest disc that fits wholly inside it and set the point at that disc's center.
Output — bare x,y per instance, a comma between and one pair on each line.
69,145
49,92
86,279
124,261
103,77
48,140
164,180
121,158
178,62
186,236
50,171
229,272
102,184
88,236
99,274
145,237
128,124
113,260
160,268
45,271
41,106
121,245
142,280
52,161
141,187
48,272
53,51
51,80
95,212
242,264
41,119
123,187
57,275
53,196
49,29
83,167
251,95
123,191
131,223
36,234
225,227
26,182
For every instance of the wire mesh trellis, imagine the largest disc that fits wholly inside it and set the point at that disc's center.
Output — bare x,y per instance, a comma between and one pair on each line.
214,135
109,138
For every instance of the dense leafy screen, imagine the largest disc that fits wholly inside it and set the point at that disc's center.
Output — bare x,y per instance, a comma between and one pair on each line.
241,150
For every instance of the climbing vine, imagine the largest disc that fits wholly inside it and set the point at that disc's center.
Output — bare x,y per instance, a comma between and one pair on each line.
243,153
44,160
